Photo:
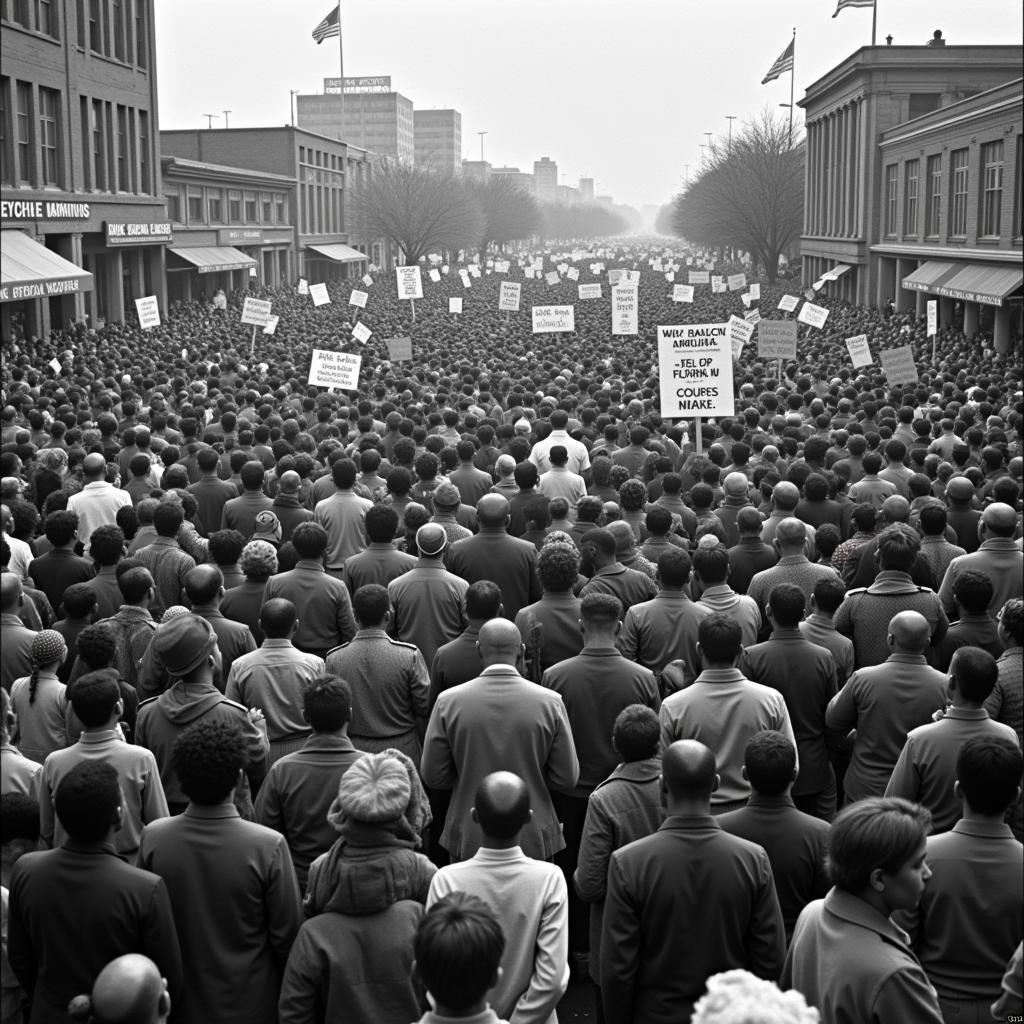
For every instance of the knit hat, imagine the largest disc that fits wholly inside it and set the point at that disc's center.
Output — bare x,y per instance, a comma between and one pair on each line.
47,647
431,539
173,612
259,559
447,496
183,643
267,527
374,789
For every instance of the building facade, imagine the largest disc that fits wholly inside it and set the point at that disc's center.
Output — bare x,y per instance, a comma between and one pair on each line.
520,178
545,179
848,112
84,224
230,226
438,139
587,189
949,226
324,174
476,170
379,120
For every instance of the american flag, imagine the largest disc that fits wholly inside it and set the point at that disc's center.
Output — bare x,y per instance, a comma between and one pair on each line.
852,3
328,27
783,63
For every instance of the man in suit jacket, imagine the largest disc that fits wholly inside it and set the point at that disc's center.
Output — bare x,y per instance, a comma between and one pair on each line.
83,889
494,555
211,493
500,722
666,931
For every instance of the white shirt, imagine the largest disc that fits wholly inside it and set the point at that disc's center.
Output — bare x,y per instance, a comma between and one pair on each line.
96,505
579,457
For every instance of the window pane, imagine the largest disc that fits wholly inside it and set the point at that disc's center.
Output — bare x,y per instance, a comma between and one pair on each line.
992,188
144,184
892,180
910,199
934,186
98,147
958,212
24,131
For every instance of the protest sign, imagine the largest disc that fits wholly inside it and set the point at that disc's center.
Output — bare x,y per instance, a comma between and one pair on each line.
272,322
149,312
699,277
860,353
399,349
739,330
563,267
410,284
898,365
754,291
573,274
334,370
435,275
508,297
358,299
54,364
933,316
625,310
551,319
745,299
255,311
466,283
788,303
718,286
670,276
474,270
361,333
630,277
752,316
614,277
695,370
318,293
303,286
589,291
812,315
367,280
552,277
736,282
682,293
776,339
455,304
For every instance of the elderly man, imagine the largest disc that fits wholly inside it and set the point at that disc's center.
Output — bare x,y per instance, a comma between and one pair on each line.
98,501
785,498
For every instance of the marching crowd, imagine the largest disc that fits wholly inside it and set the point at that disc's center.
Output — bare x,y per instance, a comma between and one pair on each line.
424,701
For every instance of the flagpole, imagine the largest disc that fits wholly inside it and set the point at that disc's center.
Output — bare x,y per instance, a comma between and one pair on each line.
874,20
341,72
792,76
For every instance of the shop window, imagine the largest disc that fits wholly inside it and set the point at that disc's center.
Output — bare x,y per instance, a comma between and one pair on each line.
912,171
173,201
933,182
195,207
991,188
891,190
216,208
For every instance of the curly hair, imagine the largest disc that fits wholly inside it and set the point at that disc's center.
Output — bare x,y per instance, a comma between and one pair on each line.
558,565
207,758
632,496
96,646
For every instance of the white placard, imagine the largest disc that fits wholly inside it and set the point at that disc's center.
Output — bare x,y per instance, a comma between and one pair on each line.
898,365
263,367
410,284
367,280
455,304
271,325
149,312
718,286
501,266
699,277
334,369
755,291
588,291
464,277
552,278
813,315
508,297
745,299
54,364
860,352
474,270
255,311
399,349
670,276
736,282
552,319
776,339
318,293
933,316
614,277
682,293
563,267
303,286
573,274
358,299
630,277
739,330
184,355
695,370
625,310
361,333
788,303
434,275
752,316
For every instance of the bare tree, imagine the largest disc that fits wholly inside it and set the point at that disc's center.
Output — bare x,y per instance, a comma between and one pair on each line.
749,195
419,209
510,212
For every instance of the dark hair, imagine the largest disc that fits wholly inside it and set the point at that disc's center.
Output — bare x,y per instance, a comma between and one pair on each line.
370,604
19,818
658,520
167,518
973,591
975,673
277,617
602,611
989,770
60,527
829,593
226,546
898,546
207,758
203,583
79,600
557,567
309,540
1011,618
483,600
712,565
87,800
458,948
865,516
134,583
327,703
636,732
770,760
674,567
106,544
94,695
933,520
343,473
526,475
877,832
96,646
251,475
381,523
787,603
720,637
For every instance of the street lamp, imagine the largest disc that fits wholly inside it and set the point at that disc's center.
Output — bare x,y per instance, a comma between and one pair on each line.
730,118
294,93
482,134
225,113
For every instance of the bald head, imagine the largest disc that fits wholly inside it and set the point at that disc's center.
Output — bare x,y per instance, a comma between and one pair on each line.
129,990
896,509
910,633
999,520
688,770
10,591
203,584
290,481
94,465
791,534
785,496
492,510
623,534
500,642
501,806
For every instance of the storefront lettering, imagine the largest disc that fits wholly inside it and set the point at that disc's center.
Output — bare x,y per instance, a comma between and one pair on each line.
40,209
12,293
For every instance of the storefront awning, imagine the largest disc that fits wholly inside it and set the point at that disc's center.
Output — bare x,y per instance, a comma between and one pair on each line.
966,281
836,272
209,259
339,253
927,276
29,270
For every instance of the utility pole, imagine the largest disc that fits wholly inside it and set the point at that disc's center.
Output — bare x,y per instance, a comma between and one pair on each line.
730,118
291,102
209,119
225,113
482,134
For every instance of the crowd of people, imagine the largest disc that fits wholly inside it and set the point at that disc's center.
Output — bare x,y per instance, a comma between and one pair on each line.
484,688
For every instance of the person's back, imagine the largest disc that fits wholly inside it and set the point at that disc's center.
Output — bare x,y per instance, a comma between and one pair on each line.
528,898
667,930
970,917
231,883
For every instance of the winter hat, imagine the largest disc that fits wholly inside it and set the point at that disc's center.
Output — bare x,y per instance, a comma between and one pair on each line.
47,647
374,789
447,496
267,527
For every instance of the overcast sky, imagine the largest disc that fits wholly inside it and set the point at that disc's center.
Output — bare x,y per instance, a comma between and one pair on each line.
618,90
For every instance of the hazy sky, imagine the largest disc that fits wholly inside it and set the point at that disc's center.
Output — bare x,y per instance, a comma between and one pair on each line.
618,90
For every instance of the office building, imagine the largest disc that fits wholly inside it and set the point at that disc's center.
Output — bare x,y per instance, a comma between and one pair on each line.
476,170
438,139
587,189
545,179
518,177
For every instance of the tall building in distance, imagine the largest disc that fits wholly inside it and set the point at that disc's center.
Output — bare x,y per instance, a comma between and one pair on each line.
587,190
520,178
545,179
438,139
476,170
372,116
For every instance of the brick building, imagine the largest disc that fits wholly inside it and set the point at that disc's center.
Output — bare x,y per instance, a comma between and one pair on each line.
84,224
438,139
